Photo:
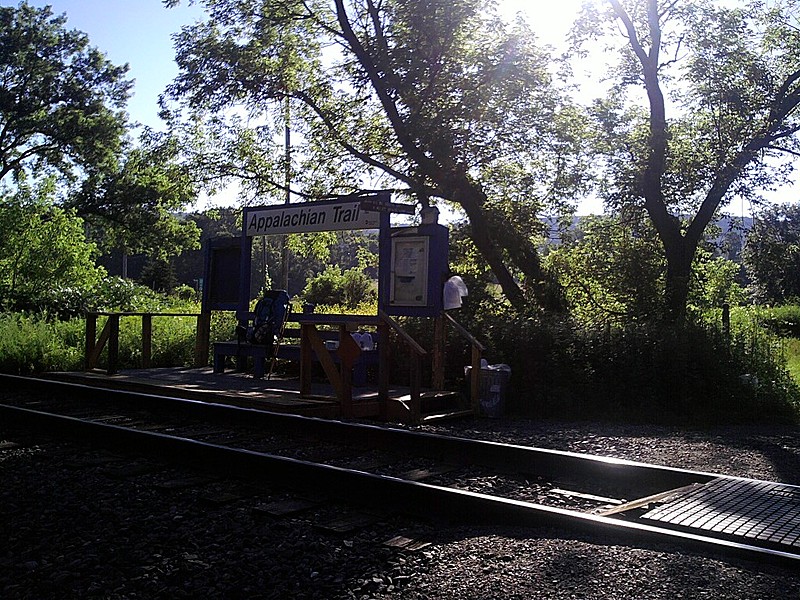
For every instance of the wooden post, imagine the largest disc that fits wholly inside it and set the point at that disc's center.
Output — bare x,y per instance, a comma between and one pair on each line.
306,359
383,369
475,380
416,385
439,341
147,340
91,340
113,343
202,342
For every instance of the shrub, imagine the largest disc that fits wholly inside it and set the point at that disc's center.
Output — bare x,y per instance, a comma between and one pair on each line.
31,344
335,287
644,372
783,320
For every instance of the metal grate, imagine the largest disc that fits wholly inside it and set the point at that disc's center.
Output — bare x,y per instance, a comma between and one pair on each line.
759,510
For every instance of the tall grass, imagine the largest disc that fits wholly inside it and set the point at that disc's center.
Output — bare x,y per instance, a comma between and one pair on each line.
32,344
792,351
649,372
36,343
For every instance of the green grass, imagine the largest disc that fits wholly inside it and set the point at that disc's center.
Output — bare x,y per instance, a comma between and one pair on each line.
792,349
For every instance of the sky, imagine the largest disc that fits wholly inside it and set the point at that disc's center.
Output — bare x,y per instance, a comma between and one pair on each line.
138,32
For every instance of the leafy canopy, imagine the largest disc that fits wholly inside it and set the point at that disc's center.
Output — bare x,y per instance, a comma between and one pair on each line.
704,109
134,206
441,101
61,101
44,247
772,253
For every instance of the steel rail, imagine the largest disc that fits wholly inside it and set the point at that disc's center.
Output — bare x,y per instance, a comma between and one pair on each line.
644,478
380,491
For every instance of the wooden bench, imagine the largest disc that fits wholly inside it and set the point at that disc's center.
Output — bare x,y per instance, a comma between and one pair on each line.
241,351
289,349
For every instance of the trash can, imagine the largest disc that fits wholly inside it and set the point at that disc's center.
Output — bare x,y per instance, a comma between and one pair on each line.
492,391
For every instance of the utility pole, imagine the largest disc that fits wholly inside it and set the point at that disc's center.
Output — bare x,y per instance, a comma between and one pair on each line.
287,178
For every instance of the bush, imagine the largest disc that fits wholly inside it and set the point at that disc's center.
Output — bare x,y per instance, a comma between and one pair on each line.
782,320
644,372
30,344
348,288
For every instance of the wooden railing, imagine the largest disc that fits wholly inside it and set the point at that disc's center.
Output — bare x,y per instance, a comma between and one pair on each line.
109,337
417,353
348,352
477,353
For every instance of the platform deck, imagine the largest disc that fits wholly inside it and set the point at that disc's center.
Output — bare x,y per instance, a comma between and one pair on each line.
277,393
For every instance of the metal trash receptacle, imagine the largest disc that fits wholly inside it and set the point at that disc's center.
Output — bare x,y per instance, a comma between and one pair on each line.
493,385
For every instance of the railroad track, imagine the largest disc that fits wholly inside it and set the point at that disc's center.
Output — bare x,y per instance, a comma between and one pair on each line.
428,475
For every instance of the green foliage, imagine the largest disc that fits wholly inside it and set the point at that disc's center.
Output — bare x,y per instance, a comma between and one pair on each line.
173,341
772,253
441,99
792,350
44,257
118,294
159,275
647,372
782,320
333,286
612,272
185,293
61,101
715,283
718,117
31,344
134,206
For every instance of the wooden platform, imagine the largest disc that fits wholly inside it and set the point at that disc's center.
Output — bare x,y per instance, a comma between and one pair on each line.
240,389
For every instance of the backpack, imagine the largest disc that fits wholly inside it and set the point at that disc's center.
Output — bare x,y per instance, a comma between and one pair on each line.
268,318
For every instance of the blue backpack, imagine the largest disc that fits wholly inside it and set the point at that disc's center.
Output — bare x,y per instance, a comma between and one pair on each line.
270,313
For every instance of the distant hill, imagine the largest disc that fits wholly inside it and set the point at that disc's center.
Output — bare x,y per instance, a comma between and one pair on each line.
730,227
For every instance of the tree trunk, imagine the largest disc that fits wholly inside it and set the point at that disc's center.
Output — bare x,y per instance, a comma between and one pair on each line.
480,227
679,255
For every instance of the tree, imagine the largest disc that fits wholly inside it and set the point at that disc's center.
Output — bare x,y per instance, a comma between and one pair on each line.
772,253
611,271
439,99
61,102
733,75
136,205
44,247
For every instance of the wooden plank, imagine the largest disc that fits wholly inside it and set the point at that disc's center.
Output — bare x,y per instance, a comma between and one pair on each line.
348,522
642,502
202,340
147,341
585,496
439,343
113,344
404,543
306,360
282,508
383,370
97,350
90,342
325,359
423,473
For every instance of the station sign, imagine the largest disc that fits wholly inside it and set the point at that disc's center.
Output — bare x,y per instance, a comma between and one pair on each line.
310,217
378,205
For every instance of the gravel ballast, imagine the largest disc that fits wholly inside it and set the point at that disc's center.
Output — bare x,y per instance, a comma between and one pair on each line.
78,522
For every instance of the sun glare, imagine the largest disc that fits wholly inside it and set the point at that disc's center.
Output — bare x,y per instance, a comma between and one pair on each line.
550,20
